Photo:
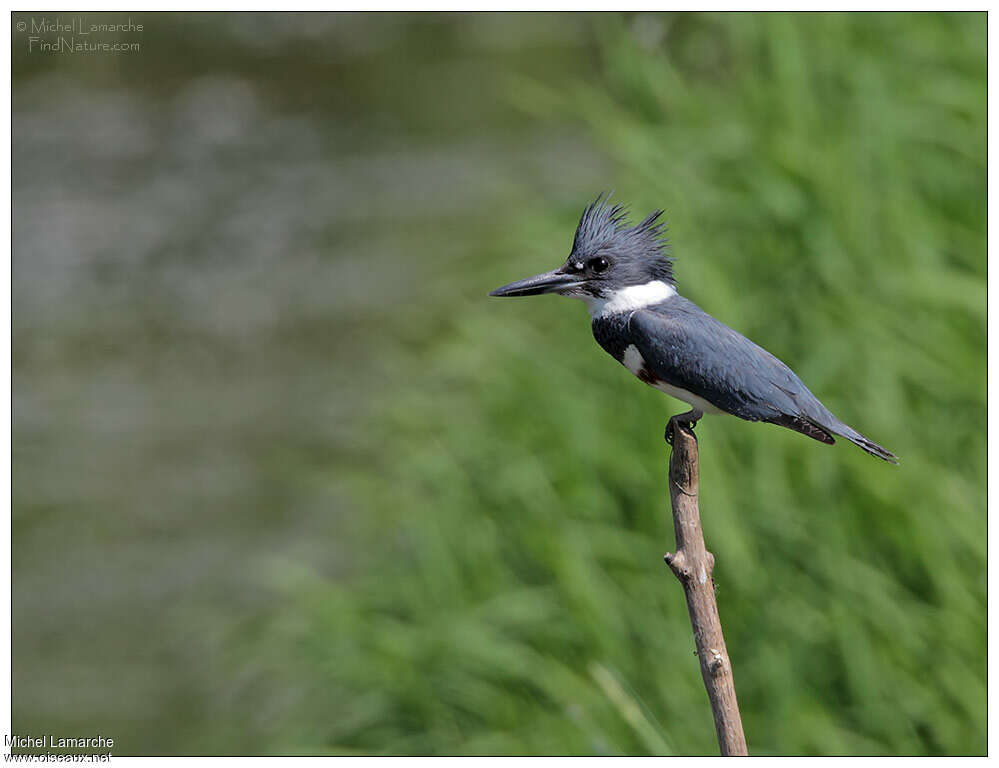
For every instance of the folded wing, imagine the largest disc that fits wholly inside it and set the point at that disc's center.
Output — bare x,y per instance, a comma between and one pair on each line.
684,346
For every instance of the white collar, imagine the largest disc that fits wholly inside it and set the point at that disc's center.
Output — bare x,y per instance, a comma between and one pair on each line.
630,298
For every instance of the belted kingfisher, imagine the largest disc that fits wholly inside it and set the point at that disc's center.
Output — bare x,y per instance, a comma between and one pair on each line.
625,276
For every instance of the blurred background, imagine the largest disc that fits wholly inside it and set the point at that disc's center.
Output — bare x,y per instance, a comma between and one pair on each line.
285,481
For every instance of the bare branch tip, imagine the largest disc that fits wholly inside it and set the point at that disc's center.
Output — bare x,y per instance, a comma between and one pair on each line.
699,588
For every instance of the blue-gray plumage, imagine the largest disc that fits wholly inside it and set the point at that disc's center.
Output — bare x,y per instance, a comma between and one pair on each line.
626,278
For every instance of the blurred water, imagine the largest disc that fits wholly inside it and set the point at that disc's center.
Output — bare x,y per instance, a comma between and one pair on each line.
213,240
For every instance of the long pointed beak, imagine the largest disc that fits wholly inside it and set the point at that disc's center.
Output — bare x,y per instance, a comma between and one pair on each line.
548,282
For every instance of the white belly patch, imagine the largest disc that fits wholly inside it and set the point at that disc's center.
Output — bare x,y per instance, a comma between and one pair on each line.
635,363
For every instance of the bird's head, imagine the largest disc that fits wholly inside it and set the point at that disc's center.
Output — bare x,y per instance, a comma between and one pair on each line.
608,256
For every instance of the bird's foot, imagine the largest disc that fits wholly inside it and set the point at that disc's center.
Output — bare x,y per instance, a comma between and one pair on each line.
686,420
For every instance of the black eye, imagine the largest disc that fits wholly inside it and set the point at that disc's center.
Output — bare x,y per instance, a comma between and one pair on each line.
597,264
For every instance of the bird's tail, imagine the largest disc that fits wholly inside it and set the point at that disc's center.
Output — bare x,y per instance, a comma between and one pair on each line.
868,445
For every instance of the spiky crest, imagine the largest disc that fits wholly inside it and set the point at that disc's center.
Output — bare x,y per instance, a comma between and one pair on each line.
605,227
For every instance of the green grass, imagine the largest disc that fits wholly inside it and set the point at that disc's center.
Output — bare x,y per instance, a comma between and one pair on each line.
825,180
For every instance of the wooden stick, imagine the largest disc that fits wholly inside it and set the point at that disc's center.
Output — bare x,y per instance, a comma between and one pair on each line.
693,565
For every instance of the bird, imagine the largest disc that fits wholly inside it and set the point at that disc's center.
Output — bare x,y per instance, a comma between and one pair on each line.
624,274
